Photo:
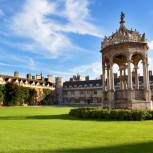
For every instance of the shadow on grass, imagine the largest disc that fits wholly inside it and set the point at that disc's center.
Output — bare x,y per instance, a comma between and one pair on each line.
129,148
45,117
56,117
40,117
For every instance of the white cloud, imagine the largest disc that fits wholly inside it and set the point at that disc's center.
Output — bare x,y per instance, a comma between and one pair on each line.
32,64
10,65
92,69
150,61
150,45
1,12
77,13
38,21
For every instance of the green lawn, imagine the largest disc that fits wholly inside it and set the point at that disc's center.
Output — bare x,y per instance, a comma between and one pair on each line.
52,130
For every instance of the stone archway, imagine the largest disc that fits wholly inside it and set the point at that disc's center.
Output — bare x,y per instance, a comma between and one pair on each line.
121,60
136,58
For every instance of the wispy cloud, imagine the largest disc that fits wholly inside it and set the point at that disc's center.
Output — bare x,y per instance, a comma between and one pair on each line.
150,45
10,65
32,64
150,60
1,12
92,69
21,61
38,22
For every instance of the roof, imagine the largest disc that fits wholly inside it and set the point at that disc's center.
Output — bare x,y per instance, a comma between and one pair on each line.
88,83
6,77
93,82
123,35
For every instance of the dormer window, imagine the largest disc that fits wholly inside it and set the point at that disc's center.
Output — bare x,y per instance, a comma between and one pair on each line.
91,85
75,86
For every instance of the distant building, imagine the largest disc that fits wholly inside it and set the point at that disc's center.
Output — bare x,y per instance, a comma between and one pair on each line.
59,89
88,91
39,84
77,91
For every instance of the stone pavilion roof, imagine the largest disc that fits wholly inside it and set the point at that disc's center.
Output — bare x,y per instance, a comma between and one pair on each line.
123,35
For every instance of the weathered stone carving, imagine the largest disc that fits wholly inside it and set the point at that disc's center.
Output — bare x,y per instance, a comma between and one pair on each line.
123,48
123,35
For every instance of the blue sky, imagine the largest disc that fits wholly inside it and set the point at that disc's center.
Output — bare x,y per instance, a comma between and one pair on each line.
63,37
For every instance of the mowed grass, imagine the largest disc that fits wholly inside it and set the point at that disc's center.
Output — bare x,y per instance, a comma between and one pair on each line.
52,130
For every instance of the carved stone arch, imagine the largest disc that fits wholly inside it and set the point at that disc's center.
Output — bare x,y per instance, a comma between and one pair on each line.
119,53
119,58
106,60
139,52
136,57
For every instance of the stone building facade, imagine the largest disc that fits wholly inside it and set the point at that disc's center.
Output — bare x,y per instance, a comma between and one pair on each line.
59,89
38,82
81,92
78,91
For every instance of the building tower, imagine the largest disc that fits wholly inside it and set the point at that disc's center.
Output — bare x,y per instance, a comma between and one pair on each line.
125,47
16,74
59,89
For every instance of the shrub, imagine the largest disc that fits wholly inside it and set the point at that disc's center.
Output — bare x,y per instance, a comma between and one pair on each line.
117,114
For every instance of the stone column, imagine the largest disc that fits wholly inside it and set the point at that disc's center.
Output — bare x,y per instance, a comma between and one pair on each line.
129,75
147,92
108,77
111,86
147,77
103,77
129,91
124,82
148,84
136,77
121,81
144,74
111,77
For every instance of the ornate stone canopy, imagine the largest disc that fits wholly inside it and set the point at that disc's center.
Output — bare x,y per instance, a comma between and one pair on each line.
125,47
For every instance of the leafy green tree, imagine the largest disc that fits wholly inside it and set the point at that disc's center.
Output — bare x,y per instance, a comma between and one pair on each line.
32,99
1,94
47,97
13,95
25,92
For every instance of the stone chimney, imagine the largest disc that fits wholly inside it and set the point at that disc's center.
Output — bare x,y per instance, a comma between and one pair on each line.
29,76
87,78
50,78
38,77
33,77
16,74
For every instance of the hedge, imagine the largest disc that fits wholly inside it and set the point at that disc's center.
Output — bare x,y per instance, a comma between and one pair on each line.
112,114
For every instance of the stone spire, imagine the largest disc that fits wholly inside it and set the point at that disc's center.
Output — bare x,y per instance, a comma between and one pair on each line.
122,21
143,38
122,18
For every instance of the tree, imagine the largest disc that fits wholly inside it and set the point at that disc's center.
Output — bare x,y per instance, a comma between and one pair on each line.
13,95
32,99
1,94
47,97
26,94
